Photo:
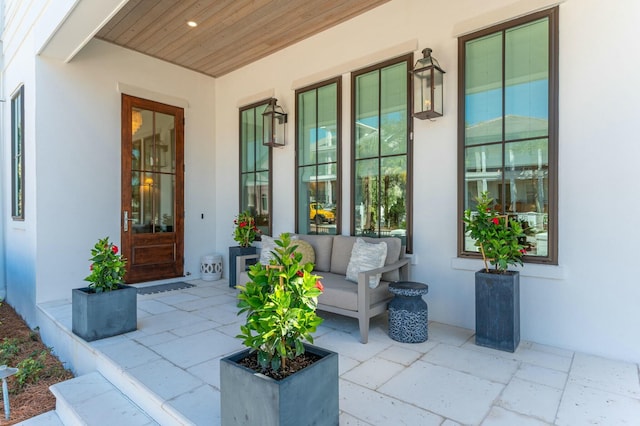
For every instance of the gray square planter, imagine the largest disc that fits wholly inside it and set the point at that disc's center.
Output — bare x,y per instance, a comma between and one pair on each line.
498,310
308,397
98,315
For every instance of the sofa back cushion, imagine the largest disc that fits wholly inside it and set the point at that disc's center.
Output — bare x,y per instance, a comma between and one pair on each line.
322,246
341,253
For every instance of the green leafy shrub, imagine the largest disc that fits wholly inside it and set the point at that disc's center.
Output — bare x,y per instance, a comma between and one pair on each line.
496,235
280,301
245,231
9,348
107,267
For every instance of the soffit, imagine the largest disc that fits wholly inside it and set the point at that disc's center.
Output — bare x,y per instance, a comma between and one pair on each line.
230,33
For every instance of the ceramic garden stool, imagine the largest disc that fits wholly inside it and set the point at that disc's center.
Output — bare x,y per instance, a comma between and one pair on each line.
408,312
211,267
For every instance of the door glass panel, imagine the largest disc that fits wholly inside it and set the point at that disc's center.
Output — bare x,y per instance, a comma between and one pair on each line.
327,136
366,197
247,161
527,81
367,119
153,172
262,198
483,90
307,128
393,114
306,193
393,196
262,151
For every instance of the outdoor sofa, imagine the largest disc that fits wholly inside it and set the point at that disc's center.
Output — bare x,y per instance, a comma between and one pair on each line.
332,254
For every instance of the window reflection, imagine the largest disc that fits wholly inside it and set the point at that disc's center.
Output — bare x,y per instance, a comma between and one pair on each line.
153,172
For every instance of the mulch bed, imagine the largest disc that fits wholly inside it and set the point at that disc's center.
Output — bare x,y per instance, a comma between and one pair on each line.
17,343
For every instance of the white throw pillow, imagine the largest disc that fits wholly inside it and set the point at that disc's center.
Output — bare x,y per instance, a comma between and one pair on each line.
364,257
268,245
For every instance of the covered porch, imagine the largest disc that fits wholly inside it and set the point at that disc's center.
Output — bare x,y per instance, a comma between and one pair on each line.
167,371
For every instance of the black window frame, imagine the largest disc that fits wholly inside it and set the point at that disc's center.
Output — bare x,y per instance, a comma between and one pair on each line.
258,108
553,117
338,195
409,60
17,155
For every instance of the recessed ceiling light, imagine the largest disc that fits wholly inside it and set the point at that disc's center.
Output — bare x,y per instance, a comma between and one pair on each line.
192,24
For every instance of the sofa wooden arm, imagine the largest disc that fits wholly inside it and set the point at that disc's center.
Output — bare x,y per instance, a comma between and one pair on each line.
241,262
401,265
365,310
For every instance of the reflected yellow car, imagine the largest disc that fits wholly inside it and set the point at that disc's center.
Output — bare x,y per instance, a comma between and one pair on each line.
318,214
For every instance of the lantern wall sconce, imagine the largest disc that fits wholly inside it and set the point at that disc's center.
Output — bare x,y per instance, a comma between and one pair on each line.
274,124
427,87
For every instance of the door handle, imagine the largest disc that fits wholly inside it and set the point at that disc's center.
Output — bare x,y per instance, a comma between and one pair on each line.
126,221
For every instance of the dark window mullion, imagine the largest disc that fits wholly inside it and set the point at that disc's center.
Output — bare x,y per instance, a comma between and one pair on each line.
316,167
379,156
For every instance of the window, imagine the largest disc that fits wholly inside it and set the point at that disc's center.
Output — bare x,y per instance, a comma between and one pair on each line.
318,166
255,167
507,128
17,155
381,150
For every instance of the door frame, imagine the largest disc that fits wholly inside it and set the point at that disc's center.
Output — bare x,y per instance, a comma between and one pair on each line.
151,271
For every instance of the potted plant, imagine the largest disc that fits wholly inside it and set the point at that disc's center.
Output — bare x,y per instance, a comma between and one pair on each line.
498,239
279,379
105,307
244,233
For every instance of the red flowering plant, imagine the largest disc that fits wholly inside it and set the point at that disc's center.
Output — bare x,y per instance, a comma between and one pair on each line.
107,267
496,235
280,301
246,230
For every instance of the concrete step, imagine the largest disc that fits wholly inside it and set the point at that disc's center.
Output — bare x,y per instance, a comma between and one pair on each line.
88,359
91,399
50,418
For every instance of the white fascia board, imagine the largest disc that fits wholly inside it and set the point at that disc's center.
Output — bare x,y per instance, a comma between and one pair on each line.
69,25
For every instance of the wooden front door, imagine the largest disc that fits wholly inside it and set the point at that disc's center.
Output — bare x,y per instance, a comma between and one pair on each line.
152,232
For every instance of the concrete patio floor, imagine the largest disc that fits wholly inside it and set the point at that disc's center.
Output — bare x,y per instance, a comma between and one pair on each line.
169,371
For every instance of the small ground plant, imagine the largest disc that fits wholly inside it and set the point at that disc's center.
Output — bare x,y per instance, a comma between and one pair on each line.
21,347
8,350
30,369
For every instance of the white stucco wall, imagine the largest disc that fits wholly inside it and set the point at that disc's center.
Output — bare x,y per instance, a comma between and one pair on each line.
589,301
79,152
73,178
19,236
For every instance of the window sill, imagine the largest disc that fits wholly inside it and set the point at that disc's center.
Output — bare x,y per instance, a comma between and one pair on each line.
549,272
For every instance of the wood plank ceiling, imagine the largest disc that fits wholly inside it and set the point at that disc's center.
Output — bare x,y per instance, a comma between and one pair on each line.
230,33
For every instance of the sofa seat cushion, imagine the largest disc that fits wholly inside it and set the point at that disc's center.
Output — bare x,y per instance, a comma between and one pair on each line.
340,293
243,278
